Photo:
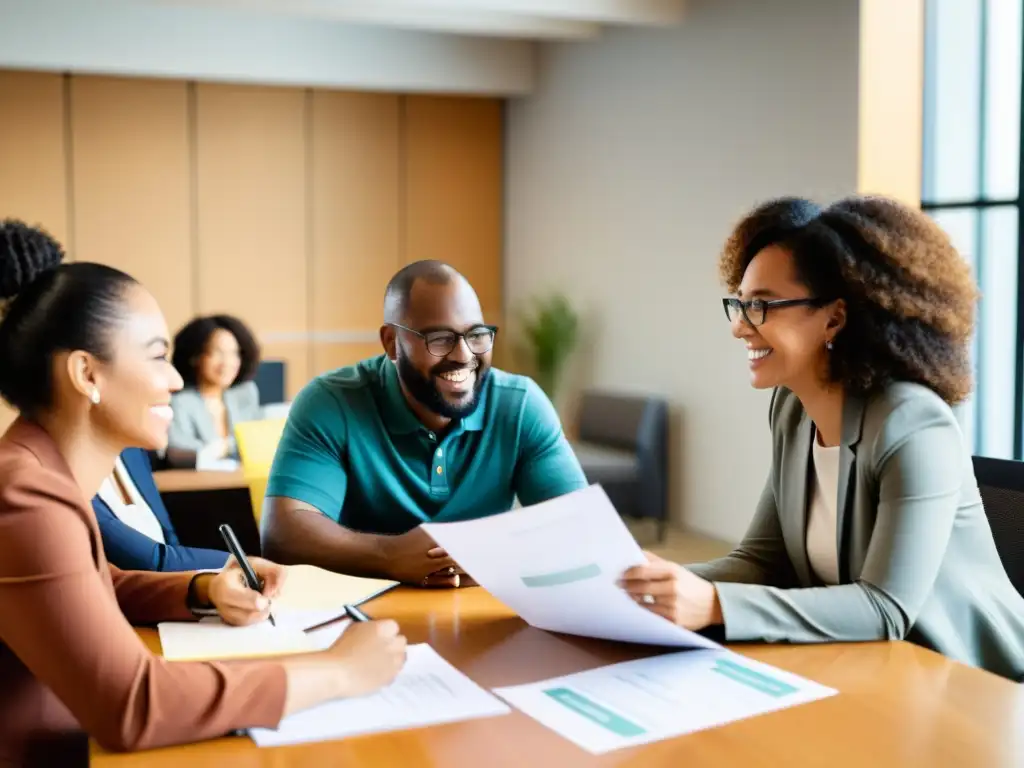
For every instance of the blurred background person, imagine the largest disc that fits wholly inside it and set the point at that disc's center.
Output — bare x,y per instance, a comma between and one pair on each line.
217,357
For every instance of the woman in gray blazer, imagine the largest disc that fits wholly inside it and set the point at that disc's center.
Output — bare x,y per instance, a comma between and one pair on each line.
217,357
870,526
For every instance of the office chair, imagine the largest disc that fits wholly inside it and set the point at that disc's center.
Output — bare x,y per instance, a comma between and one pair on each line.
257,442
623,446
1001,483
270,381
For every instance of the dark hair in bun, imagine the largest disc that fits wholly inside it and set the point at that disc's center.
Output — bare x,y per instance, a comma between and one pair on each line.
54,308
25,253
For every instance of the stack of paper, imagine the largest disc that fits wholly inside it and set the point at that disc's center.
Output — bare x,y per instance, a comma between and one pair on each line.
428,691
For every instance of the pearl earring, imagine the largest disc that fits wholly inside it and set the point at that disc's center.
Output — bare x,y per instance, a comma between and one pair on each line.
95,397
828,345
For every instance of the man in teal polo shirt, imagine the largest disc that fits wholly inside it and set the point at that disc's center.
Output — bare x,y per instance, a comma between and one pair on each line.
427,432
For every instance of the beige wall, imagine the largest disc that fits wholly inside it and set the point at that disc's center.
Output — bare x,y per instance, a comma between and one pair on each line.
626,170
288,207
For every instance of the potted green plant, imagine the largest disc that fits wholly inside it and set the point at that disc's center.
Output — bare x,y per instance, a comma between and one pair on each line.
551,334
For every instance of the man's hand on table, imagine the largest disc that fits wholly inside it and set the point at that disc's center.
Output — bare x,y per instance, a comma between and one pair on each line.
414,558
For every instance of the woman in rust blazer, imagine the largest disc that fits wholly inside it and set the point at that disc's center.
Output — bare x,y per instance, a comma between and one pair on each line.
84,350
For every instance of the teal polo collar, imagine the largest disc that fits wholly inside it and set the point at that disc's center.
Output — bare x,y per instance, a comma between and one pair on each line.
399,417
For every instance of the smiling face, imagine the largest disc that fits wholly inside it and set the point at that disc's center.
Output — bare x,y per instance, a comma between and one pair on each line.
136,382
789,348
221,360
447,386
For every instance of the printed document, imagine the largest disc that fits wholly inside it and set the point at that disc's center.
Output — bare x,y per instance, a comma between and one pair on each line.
637,702
556,564
212,639
428,691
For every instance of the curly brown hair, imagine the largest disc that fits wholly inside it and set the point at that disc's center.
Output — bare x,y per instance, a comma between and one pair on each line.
910,295
191,341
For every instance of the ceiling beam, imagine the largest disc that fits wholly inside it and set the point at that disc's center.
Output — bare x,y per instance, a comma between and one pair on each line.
424,16
638,12
212,43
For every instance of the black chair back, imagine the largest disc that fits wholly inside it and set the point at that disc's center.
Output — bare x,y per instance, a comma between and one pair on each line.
270,377
1001,483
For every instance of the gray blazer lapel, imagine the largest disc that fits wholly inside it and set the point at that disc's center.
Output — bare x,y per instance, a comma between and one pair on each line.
798,465
853,422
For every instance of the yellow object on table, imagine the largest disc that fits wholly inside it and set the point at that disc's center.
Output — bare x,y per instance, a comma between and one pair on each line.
257,442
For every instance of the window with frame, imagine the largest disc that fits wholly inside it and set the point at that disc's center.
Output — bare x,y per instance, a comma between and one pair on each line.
971,186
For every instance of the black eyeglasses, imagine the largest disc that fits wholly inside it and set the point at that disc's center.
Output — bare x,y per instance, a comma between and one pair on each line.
479,339
756,310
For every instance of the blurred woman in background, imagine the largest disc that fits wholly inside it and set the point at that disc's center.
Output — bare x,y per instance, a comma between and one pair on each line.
217,358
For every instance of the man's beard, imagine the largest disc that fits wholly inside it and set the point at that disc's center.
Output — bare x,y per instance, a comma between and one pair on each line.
425,390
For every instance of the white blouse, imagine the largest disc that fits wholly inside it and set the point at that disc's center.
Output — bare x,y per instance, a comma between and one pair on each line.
136,513
822,549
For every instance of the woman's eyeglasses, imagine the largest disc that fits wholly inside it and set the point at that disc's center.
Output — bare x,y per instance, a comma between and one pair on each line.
755,311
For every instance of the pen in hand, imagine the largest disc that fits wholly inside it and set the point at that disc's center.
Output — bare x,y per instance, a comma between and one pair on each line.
355,614
253,581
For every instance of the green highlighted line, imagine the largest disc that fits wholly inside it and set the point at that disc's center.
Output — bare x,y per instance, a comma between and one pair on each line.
563,577
595,712
753,679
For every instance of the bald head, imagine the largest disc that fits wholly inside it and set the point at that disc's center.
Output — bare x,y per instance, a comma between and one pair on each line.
398,294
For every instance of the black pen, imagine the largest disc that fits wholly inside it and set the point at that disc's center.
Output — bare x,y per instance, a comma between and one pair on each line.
255,582
355,614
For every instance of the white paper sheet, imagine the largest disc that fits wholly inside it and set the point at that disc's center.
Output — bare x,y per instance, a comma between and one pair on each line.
556,564
428,691
213,639
637,702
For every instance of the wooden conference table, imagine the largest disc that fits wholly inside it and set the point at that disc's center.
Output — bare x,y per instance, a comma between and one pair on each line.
191,480
898,705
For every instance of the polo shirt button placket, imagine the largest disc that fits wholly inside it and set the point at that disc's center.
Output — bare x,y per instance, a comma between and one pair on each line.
439,481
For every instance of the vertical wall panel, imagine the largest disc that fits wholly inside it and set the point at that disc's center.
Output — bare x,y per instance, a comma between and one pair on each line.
355,188
252,219
33,161
130,145
453,189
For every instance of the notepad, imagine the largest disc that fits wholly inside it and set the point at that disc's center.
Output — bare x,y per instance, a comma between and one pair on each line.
212,639
307,587
309,596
